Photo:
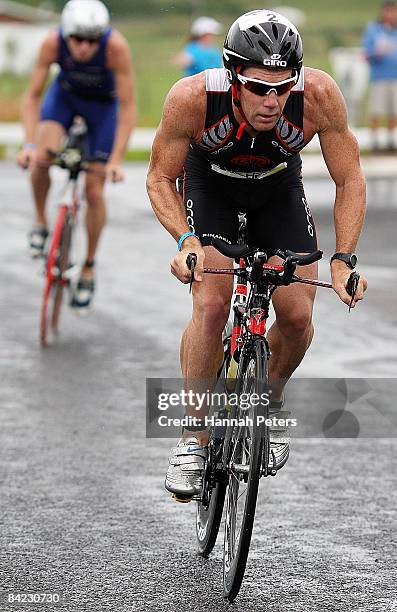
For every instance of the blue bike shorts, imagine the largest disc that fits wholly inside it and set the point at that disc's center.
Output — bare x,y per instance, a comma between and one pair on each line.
101,118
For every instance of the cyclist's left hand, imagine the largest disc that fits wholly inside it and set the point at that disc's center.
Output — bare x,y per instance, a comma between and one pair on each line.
114,172
340,275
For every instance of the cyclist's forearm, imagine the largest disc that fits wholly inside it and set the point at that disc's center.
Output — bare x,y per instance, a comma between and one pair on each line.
30,114
125,124
168,206
349,213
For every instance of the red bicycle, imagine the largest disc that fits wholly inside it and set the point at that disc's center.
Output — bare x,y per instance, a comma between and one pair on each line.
58,268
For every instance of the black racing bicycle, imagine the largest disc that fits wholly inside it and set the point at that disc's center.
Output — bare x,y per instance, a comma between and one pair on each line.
239,451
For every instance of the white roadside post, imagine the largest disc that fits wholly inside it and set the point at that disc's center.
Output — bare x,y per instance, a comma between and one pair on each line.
352,74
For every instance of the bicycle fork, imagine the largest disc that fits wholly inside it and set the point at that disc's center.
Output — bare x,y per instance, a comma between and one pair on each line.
258,313
239,308
251,319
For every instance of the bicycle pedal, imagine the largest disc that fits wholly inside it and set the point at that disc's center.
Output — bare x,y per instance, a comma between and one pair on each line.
181,499
71,273
35,254
81,311
271,470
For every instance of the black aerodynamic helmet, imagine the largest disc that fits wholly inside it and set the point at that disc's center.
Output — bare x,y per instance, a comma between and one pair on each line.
262,38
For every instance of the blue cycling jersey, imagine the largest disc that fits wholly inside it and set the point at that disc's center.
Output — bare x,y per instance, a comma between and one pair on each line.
86,79
203,57
87,90
380,44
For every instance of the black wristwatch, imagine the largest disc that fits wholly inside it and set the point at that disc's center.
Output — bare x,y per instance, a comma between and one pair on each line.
350,259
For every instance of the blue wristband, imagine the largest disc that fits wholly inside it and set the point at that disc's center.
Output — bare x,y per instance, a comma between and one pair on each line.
29,145
183,237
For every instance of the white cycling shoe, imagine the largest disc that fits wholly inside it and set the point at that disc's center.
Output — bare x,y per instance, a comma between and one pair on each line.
83,295
279,435
37,238
184,478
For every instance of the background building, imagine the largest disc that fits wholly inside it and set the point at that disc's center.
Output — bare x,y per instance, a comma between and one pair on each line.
22,28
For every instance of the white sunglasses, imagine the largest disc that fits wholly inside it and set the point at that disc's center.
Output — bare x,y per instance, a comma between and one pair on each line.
263,88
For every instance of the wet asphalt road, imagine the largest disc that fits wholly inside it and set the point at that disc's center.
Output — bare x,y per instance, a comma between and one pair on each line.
82,508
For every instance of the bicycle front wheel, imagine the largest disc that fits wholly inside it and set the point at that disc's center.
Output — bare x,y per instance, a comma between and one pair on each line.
246,446
63,263
52,294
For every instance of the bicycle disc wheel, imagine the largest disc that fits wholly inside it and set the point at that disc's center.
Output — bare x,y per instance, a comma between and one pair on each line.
51,276
247,444
209,516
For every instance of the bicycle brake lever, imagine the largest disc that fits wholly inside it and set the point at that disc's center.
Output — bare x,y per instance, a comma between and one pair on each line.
289,269
191,261
351,286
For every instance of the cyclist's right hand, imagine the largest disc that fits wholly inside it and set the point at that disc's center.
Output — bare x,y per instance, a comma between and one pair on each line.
26,157
179,266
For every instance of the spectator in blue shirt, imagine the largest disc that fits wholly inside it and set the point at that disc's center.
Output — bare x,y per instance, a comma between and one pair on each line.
201,51
380,45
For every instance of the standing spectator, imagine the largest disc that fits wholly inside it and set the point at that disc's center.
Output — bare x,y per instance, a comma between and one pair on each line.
380,44
201,52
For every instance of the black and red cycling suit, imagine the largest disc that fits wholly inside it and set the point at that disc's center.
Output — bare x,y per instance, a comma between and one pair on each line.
229,171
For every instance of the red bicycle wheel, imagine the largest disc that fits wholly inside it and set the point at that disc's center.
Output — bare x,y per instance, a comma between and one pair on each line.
51,274
62,266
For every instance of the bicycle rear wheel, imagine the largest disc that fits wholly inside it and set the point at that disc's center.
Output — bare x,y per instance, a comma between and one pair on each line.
209,515
246,445
57,256
210,508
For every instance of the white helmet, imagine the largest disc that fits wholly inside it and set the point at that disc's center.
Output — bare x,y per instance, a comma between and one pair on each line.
84,18
206,25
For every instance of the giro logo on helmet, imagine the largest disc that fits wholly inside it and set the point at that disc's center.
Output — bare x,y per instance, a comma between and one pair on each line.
274,62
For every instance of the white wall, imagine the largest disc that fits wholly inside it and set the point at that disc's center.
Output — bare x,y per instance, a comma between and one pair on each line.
19,44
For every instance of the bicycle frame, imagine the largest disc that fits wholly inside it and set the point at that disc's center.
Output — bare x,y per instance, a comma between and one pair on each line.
58,274
256,303
69,208
260,274
251,309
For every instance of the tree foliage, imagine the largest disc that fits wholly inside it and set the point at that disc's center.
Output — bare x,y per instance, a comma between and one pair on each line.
157,7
